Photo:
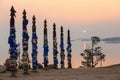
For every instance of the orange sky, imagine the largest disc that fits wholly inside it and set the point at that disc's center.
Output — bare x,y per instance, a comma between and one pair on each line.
72,10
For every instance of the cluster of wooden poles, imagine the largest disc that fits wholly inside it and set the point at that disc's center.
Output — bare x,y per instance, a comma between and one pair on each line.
25,39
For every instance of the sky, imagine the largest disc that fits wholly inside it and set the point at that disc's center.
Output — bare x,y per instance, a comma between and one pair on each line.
95,17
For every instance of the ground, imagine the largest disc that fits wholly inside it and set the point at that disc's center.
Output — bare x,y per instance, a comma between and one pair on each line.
112,73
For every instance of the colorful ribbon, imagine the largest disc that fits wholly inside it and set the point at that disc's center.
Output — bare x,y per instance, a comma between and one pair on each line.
34,45
62,55
69,50
55,52
45,46
25,56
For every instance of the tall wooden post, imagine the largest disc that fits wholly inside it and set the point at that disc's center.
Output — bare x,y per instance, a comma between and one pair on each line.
69,50
62,55
34,45
55,52
12,42
45,46
25,56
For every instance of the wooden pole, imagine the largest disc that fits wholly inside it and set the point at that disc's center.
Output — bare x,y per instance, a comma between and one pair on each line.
12,42
25,56
69,50
62,55
55,52
34,45
46,47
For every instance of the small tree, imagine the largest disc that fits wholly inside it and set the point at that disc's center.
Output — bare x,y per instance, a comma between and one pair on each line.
93,55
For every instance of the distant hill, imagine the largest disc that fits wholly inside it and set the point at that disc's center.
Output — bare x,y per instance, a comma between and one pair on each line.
106,40
111,40
80,39
111,66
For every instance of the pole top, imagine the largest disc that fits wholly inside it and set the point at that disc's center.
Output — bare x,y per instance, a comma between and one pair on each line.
68,31
12,11
24,11
45,21
34,18
61,27
54,25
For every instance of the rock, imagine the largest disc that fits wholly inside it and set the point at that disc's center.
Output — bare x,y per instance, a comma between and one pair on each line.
2,69
7,64
40,66
21,66
50,66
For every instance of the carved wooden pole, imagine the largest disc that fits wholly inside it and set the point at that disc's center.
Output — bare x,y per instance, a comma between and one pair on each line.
55,52
69,50
25,56
12,42
62,55
45,46
34,45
